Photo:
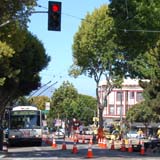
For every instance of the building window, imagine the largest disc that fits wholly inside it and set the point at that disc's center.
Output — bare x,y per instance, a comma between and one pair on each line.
139,96
119,96
131,95
111,109
119,110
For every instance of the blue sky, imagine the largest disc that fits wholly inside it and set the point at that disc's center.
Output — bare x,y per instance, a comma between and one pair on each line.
58,45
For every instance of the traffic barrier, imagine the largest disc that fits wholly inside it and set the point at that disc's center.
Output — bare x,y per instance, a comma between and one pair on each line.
83,139
5,146
130,148
142,151
90,153
74,149
112,145
75,139
123,147
64,147
54,145
48,141
90,140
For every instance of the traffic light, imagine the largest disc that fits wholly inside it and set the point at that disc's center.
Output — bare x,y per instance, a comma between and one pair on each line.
54,16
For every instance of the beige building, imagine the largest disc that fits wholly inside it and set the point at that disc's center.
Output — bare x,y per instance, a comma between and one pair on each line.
120,100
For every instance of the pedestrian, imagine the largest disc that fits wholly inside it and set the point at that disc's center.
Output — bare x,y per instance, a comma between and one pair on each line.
81,128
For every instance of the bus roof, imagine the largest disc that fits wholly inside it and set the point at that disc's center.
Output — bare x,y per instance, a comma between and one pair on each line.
20,108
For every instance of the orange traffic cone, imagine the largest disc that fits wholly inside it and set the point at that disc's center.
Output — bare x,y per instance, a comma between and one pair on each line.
104,143
112,145
54,145
99,141
123,148
89,153
5,147
74,149
64,147
130,149
142,148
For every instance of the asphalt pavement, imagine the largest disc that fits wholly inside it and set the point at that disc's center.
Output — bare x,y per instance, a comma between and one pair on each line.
46,152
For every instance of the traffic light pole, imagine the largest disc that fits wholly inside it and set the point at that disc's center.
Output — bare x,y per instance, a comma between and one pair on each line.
39,12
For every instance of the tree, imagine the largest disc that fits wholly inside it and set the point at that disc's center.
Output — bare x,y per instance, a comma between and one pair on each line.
12,34
62,101
13,23
86,108
95,54
39,101
141,112
67,104
6,53
135,23
16,11
25,66
137,27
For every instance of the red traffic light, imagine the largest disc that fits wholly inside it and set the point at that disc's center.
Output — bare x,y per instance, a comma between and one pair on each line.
55,8
54,16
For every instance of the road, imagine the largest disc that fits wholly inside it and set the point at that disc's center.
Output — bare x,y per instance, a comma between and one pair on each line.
46,152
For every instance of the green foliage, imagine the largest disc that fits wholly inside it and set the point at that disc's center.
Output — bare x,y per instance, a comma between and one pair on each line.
39,101
16,11
142,113
66,103
62,100
95,53
152,94
135,24
93,48
24,68
6,53
136,17
22,101
87,108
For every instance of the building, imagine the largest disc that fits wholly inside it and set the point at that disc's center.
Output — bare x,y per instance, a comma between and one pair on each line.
120,99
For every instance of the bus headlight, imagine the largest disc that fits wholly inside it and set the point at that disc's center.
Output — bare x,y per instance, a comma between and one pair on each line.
37,136
13,136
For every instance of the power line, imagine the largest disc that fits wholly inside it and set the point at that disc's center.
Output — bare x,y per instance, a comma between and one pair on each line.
39,89
127,18
47,88
140,30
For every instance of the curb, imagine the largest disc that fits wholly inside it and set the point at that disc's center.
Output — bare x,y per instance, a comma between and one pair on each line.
2,154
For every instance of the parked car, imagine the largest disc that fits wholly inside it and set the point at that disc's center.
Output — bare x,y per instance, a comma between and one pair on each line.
88,131
114,135
133,134
60,132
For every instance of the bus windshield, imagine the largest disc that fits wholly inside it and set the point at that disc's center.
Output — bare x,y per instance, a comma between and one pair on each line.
25,120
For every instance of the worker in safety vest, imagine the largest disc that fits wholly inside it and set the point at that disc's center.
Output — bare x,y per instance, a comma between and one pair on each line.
140,133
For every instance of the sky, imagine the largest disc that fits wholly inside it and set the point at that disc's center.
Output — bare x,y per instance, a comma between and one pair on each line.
58,45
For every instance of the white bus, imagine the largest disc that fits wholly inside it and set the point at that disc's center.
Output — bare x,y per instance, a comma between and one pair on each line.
25,125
